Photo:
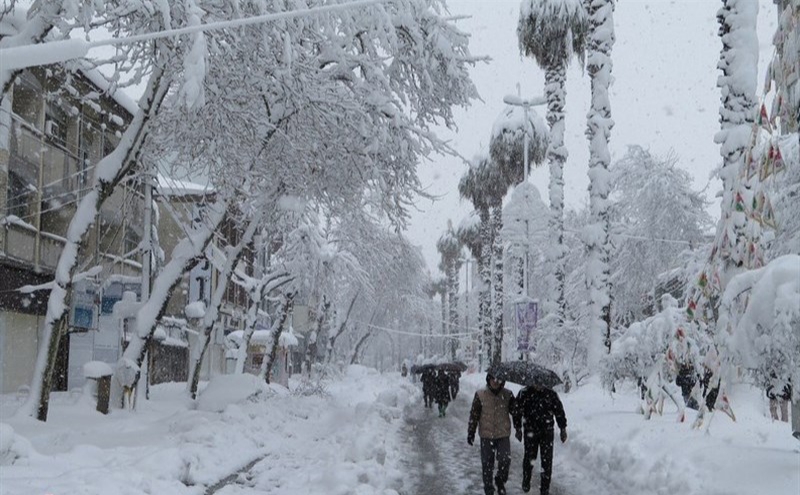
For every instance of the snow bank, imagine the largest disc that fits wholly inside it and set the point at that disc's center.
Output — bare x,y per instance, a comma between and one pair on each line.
223,390
13,447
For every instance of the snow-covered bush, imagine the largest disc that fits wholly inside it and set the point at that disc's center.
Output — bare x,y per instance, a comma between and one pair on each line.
761,311
654,350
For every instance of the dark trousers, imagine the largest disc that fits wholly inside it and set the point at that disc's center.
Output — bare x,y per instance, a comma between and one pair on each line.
499,448
538,441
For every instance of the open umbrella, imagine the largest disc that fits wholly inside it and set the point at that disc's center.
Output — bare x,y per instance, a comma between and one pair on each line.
525,373
455,366
416,369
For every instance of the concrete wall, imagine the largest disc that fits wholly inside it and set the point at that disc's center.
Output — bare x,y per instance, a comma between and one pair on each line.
19,339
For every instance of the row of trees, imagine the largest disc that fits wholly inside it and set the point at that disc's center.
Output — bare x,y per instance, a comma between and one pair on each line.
309,130
645,231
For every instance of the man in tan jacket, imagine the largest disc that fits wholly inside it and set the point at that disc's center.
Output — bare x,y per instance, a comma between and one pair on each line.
491,415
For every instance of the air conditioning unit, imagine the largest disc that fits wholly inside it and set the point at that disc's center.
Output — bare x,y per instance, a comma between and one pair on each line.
51,128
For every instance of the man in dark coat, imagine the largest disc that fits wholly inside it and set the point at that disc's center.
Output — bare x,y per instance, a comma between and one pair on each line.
428,380
442,392
491,415
454,378
536,407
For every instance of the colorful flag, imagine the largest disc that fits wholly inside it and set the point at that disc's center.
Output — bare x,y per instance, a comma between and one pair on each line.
763,118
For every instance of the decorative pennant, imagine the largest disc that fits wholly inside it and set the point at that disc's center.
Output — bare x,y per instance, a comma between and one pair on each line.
738,203
777,161
763,118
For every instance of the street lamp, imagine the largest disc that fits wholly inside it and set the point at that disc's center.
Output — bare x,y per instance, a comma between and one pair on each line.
518,101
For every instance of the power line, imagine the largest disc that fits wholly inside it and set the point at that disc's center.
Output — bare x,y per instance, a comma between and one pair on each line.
74,48
401,332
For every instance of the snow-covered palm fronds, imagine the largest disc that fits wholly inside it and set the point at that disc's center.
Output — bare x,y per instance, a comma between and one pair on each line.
507,143
552,31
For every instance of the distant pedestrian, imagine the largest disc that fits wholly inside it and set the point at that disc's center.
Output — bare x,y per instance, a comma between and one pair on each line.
491,415
536,407
779,393
686,380
428,380
404,370
442,392
454,377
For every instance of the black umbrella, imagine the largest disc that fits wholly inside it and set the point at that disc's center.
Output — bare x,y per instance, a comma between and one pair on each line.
525,373
423,368
455,366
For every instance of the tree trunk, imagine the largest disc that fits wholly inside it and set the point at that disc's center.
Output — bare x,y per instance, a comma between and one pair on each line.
311,349
557,153
189,251
107,175
361,341
497,281
486,284
598,64
232,256
287,309
452,302
342,327
257,292
443,295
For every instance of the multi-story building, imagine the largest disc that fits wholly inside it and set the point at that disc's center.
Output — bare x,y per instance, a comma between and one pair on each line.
46,162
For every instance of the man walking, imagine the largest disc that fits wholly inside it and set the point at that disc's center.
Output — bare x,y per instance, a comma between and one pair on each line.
537,406
491,415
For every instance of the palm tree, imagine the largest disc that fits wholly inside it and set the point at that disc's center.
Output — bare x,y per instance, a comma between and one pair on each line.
450,249
552,32
482,184
469,235
436,287
507,144
599,124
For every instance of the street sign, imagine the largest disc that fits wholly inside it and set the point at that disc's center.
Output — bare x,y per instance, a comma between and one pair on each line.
526,314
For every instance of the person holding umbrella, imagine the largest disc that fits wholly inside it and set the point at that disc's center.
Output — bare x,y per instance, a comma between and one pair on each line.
491,415
537,405
442,392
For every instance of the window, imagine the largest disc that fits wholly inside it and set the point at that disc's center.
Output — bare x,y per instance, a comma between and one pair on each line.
27,99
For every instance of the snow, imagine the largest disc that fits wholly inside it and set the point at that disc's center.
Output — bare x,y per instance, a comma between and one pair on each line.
195,309
96,369
230,389
20,57
167,186
353,440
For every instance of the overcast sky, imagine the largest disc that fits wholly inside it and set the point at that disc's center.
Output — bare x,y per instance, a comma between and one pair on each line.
664,98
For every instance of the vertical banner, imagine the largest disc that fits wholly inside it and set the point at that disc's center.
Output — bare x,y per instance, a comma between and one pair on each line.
527,315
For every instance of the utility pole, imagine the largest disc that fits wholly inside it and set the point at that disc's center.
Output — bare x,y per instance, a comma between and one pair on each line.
147,259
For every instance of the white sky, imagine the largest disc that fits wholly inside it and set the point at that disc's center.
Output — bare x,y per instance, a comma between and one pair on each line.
664,97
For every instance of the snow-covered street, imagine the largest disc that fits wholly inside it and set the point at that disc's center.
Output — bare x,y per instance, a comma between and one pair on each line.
371,435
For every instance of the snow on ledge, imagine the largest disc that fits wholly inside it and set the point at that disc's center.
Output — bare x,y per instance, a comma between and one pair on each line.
97,369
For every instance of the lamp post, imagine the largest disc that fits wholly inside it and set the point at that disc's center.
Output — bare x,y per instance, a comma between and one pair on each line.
466,262
518,101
